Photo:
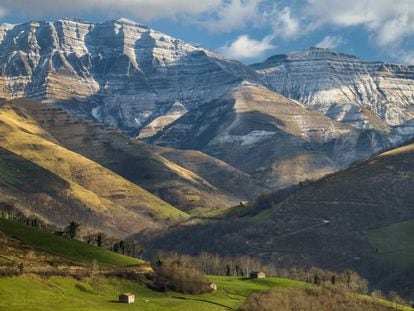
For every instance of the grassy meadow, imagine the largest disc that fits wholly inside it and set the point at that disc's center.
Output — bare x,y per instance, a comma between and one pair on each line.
63,247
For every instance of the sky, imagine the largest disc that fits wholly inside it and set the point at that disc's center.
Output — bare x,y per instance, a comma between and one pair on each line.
251,30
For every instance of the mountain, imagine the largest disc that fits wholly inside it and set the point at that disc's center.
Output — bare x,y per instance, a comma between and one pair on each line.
359,218
162,90
133,160
123,73
42,178
345,88
270,137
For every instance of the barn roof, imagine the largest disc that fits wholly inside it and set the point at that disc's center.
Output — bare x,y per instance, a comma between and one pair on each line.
127,294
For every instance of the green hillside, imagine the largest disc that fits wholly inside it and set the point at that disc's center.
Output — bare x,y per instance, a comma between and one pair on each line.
395,242
58,293
63,247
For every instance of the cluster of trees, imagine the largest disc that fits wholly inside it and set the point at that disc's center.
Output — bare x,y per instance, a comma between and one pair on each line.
124,247
172,274
243,265
216,265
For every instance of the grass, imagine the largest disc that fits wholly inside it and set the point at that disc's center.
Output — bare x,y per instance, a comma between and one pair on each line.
14,173
63,247
395,242
93,183
58,293
29,292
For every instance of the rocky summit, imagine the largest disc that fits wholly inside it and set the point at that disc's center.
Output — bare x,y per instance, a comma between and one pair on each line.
345,88
123,73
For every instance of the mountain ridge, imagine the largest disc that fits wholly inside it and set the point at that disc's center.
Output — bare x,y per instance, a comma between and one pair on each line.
149,85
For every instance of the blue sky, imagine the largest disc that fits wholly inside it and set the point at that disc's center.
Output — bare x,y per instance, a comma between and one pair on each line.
251,30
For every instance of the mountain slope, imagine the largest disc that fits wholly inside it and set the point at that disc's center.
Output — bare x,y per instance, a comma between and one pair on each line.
219,173
134,160
345,88
336,223
47,248
123,73
68,186
156,87
270,137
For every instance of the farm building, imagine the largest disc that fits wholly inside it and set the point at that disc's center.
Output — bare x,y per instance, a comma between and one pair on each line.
257,275
127,298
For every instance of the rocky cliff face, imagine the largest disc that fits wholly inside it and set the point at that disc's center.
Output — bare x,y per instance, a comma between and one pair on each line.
363,94
274,139
127,74
178,95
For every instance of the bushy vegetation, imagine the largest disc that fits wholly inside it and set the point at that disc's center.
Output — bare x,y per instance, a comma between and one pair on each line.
172,274
310,299
243,265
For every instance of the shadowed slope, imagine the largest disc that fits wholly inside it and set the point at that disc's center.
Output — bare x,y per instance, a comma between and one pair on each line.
336,223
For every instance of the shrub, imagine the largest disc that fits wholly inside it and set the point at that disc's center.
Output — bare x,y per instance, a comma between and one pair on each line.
310,299
176,275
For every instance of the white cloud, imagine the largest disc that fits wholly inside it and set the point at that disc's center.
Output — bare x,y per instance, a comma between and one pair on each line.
231,15
388,21
330,42
3,12
245,47
142,9
284,24
406,57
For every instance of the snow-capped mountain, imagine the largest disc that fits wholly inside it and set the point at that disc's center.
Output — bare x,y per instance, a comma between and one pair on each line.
172,93
128,74
345,88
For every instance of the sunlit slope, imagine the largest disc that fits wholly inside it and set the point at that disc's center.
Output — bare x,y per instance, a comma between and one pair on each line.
124,206
20,239
132,159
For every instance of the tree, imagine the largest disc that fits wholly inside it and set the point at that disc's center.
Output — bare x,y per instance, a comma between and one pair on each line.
72,230
99,240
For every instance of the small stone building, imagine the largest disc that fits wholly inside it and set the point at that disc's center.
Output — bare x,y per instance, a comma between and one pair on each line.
257,275
127,298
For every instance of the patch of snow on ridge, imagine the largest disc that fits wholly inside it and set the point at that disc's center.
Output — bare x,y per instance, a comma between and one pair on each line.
251,138
96,113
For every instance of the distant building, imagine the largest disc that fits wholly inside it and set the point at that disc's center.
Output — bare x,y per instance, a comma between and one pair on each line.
257,275
127,298
244,203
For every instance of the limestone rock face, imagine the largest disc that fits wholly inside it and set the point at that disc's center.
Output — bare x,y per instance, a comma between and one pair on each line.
274,139
161,89
123,73
345,88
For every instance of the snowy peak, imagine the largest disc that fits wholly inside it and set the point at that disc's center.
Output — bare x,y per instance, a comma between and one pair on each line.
126,73
313,53
344,87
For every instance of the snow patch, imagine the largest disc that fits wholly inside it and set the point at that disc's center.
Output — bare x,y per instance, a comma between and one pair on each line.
249,139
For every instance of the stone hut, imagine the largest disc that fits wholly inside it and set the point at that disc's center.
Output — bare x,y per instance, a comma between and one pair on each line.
257,275
126,298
